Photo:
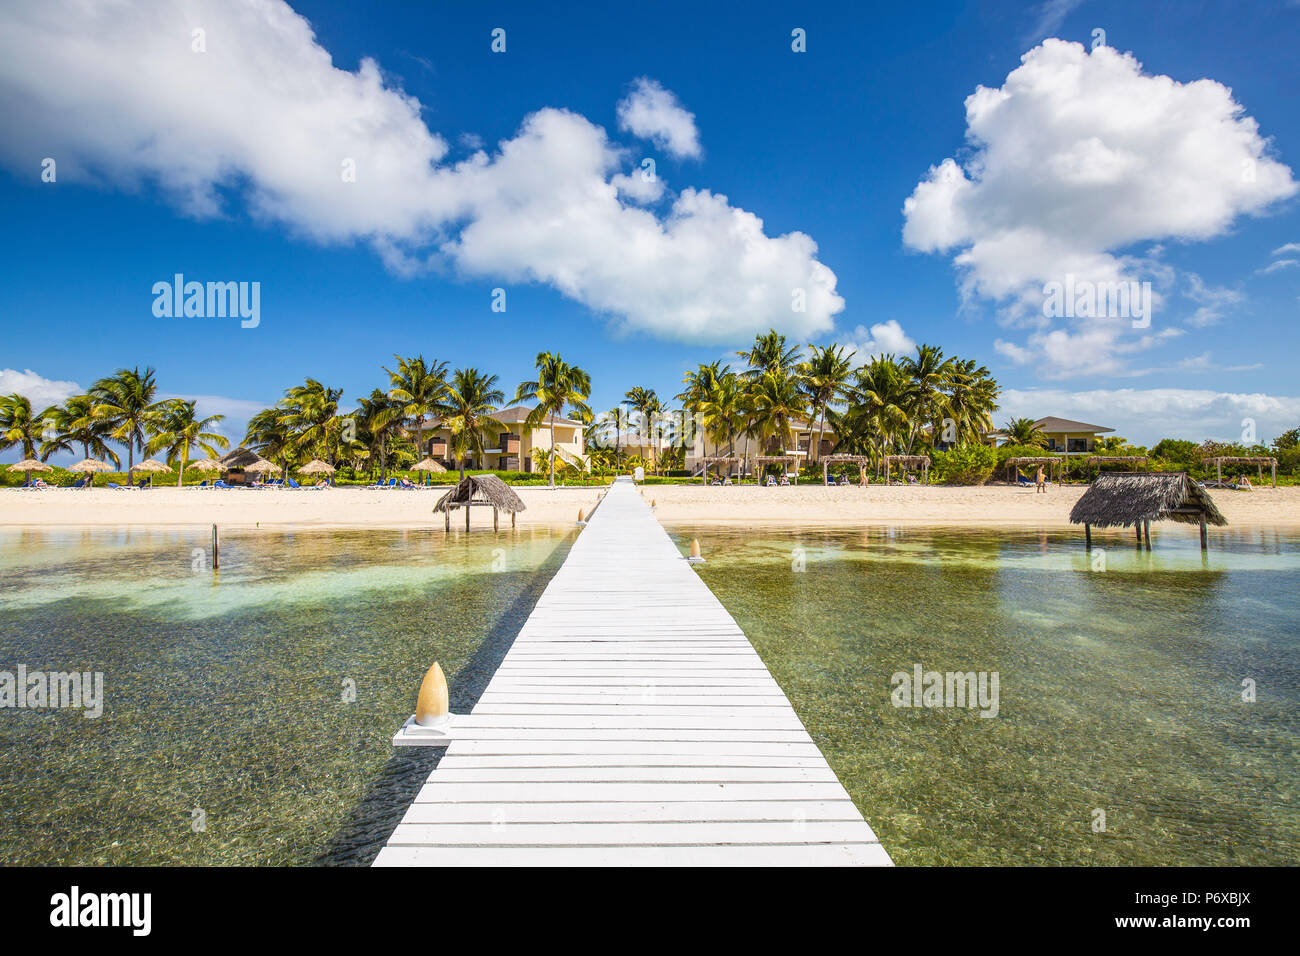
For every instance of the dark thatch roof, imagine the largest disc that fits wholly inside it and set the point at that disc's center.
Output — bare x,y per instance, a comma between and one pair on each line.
488,489
1125,498
239,458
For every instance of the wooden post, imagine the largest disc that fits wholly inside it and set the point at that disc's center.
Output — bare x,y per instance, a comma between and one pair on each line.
1205,541
467,515
216,550
1274,472
1137,528
1146,533
446,519
494,518
1087,536
512,519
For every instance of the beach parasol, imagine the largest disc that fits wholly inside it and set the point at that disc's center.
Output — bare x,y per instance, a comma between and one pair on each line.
206,464
90,466
429,464
27,466
151,466
261,467
316,467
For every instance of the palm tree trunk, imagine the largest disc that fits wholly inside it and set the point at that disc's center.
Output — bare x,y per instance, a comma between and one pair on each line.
185,460
552,448
821,430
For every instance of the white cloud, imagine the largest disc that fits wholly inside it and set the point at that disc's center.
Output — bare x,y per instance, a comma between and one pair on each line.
114,92
1212,301
40,391
654,113
881,338
1147,415
1076,157
1278,266
1288,249
1049,15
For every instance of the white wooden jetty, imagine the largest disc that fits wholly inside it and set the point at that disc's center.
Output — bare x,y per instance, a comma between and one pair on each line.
631,723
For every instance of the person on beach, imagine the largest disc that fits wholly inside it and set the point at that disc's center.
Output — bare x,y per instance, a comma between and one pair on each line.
1040,481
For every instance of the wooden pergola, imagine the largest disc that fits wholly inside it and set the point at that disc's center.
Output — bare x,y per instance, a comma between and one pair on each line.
1130,460
860,460
1014,464
762,460
908,462
718,460
1260,462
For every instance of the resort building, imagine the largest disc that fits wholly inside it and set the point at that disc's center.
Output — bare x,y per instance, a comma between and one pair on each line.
1062,435
515,445
1070,437
801,445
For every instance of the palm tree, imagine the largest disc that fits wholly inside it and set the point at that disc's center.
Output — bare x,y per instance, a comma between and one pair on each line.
1023,431
126,402
699,384
777,401
311,416
376,419
557,384
932,374
645,402
179,431
824,377
722,410
19,425
769,354
471,399
972,400
421,387
882,402
75,423
270,435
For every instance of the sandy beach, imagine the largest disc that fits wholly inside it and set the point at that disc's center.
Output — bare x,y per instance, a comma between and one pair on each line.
992,506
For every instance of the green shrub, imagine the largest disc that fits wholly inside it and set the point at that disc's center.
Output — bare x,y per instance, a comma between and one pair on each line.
964,465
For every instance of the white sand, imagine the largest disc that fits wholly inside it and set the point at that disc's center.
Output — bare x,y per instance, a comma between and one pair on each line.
807,505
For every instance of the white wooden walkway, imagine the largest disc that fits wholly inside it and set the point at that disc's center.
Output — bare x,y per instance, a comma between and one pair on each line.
631,723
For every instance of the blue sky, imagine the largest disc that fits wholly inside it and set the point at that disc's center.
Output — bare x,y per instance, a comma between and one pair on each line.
221,165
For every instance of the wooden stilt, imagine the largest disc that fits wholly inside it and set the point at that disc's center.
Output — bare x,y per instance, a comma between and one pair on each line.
512,519
216,550
1137,529
495,518
1087,536
1146,533
1205,540
467,516
446,520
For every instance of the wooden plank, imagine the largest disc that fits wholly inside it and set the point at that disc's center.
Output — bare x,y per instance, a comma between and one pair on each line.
631,723
816,854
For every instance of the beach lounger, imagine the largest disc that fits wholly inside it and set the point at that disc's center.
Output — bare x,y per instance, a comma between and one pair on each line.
221,484
294,484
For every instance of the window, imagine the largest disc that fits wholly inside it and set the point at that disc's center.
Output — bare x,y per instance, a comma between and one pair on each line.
1078,444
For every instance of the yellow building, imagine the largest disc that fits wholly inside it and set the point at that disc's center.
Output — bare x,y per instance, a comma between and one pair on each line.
515,444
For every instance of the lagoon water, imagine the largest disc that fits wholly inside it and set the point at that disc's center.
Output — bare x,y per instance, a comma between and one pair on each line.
1120,690
248,712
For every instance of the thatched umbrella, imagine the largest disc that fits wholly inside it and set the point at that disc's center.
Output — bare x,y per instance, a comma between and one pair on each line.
428,464
152,466
1121,499
261,467
27,466
206,464
487,490
316,467
89,466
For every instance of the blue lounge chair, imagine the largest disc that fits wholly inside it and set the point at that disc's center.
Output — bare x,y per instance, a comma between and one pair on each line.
221,484
294,484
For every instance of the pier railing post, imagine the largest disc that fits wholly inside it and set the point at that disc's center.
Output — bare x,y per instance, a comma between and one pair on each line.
216,550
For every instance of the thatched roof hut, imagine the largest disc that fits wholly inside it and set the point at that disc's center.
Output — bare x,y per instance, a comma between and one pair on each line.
482,490
1134,498
238,458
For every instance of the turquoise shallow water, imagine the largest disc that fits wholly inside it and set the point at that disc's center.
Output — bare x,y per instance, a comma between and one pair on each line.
1120,689
264,695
